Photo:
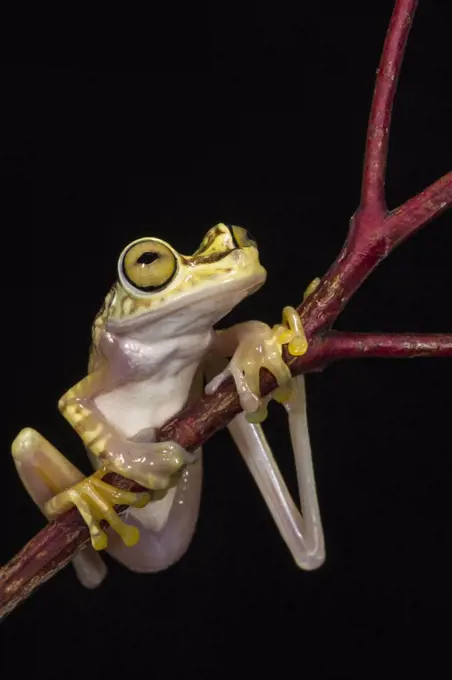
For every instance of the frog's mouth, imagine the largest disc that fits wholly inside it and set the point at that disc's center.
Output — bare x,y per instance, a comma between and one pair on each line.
206,306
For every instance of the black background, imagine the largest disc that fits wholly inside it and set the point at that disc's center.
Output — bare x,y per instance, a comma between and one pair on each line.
166,125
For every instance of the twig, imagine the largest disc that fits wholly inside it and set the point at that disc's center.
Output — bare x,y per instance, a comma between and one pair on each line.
372,193
384,346
373,234
417,212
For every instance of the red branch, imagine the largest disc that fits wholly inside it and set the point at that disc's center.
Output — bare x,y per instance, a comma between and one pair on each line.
372,193
374,233
385,346
370,240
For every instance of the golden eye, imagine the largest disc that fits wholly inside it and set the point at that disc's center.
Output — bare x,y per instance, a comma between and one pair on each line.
242,237
147,265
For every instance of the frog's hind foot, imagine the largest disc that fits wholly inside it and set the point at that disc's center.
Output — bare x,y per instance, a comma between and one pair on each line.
95,501
44,472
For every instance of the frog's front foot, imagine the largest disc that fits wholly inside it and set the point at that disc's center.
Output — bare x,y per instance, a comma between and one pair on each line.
95,500
261,347
150,464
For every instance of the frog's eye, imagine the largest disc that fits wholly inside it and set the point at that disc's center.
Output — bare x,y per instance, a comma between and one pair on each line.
147,265
242,237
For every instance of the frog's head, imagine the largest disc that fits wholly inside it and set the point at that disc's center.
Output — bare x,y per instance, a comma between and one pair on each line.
155,281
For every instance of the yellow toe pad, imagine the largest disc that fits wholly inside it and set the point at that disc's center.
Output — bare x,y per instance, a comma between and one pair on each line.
95,500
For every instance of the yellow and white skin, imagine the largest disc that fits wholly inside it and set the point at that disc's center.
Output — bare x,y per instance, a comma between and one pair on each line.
153,341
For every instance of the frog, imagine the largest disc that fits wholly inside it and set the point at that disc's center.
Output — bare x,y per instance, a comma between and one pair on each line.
155,348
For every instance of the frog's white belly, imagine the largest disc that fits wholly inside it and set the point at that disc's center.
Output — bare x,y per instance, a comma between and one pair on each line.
162,371
146,403
166,526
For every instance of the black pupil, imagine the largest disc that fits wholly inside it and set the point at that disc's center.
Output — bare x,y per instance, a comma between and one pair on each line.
148,258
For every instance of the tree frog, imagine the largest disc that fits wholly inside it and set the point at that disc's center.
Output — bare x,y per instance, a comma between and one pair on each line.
151,343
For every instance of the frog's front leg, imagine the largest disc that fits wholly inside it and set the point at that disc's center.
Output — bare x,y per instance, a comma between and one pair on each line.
253,346
302,532
151,464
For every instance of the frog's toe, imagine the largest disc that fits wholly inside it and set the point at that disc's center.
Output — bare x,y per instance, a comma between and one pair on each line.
264,352
246,379
218,380
291,332
95,500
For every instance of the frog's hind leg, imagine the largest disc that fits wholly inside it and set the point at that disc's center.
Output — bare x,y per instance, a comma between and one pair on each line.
302,532
45,472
